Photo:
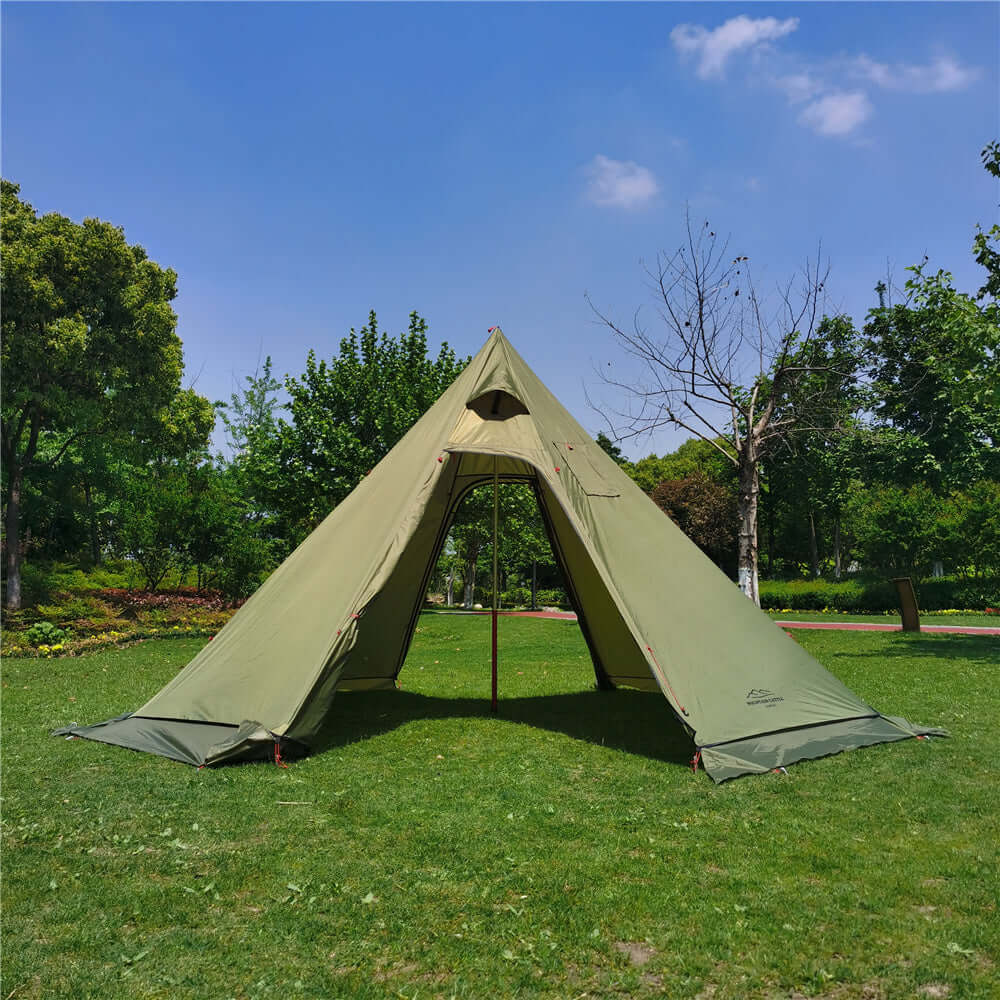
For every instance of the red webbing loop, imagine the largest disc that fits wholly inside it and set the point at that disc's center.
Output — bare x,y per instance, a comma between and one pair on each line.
277,756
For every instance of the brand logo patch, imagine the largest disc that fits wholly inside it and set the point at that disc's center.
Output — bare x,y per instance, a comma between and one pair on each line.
761,696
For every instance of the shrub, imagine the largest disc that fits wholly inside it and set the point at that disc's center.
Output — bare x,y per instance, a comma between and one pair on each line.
246,561
552,597
516,597
45,634
958,592
706,512
877,596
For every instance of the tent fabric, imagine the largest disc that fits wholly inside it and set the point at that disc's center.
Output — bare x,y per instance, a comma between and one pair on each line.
657,614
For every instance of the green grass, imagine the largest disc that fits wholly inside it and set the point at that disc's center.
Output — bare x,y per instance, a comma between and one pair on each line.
562,849
926,618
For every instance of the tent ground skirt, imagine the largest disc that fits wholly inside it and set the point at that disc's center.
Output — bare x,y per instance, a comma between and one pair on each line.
196,743
759,754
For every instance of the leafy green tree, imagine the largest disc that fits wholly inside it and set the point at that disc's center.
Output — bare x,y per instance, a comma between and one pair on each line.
89,345
895,530
936,376
692,457
521,535
807,474
249,417
252,433
986,242
611,448
225,540
153,512
968,530
348,412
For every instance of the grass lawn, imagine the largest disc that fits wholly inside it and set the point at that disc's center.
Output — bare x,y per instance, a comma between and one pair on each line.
926,618
563,849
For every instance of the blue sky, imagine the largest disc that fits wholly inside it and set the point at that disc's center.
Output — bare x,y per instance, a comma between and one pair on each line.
299,164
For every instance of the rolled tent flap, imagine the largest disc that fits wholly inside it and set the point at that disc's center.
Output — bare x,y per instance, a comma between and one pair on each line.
657,614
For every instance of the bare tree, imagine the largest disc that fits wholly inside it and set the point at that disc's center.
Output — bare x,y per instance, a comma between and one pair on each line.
726,368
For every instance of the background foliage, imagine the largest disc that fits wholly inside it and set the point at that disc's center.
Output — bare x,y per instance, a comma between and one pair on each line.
107,457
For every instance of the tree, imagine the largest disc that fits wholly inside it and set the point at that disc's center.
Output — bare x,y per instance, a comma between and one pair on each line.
936,376
252,433
691,457
348,412
521,535
161,502
895,529
89,345
807,472
984,244
152,512
611,448
705,512
726,370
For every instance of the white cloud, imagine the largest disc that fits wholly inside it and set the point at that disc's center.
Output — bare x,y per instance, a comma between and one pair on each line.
620,183
939,76
837,114
834,94
798,87
716,46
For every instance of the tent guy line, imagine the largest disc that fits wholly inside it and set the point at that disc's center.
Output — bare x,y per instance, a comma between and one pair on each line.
339,613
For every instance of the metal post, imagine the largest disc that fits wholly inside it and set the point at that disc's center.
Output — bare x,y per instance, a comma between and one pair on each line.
496,518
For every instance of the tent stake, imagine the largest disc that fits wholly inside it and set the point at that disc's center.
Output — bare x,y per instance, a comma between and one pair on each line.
496,517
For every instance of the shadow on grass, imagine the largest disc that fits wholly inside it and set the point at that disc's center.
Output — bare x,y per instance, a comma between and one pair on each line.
941,647
637,722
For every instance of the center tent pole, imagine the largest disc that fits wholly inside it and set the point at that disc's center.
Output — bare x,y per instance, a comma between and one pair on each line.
496,519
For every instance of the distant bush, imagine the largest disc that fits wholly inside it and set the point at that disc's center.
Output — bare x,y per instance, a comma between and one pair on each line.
246,561
145,600
877,596
958,592
705,511
516,597
550,598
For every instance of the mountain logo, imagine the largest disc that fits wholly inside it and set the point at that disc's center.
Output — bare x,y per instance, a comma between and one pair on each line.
761,696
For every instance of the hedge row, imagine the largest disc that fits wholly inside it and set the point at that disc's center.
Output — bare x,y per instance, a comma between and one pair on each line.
520,597
877,596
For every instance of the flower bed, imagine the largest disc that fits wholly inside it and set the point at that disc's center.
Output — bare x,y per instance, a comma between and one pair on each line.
81,622
103,640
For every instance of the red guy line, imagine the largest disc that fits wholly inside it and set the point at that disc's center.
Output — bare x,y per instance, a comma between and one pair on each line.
667,682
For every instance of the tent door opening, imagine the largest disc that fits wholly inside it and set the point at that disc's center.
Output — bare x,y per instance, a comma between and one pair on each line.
489,472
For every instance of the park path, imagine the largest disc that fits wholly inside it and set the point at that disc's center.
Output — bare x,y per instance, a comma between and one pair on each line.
842,626
879,627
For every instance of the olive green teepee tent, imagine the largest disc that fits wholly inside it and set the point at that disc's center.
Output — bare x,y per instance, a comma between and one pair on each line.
657,614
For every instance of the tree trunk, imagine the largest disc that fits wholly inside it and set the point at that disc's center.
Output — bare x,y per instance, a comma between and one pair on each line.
450,585
534,585
770,530
813,547
95,548
746,506
12,531
470,583
836,548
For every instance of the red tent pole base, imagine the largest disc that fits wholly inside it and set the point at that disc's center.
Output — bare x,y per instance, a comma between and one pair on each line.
493,699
